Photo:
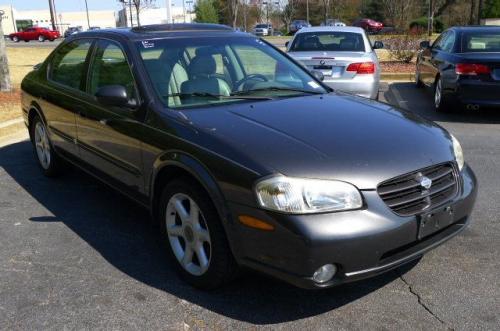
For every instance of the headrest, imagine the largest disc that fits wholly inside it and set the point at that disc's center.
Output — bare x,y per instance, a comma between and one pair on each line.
202,66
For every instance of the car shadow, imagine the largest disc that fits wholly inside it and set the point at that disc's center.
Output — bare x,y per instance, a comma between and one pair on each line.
121,233
420,101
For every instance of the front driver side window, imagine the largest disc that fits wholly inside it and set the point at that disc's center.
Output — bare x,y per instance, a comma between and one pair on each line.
110,67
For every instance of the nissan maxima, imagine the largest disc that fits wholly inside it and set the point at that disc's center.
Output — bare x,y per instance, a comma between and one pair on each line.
463,68
244,158
343,55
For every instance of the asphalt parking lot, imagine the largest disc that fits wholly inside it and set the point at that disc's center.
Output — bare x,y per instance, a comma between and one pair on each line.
75,254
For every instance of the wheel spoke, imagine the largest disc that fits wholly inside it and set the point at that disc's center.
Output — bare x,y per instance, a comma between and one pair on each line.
181,211
194,212
203,235
202,256
175,231
188,257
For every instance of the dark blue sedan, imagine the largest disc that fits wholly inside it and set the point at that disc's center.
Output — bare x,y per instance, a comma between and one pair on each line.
463,67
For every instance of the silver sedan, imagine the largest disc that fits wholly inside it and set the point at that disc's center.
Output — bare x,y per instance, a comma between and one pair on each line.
344,55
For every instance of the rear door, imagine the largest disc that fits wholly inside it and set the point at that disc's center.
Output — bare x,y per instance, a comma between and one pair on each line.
60,99
107,134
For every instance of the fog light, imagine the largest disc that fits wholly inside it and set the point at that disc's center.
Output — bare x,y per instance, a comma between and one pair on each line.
325,273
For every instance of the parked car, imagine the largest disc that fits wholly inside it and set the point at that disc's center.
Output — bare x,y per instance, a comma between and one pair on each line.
94,28
35,33
343,55
259,166
369,25
463,68
332,22
72,30
298,24
263,30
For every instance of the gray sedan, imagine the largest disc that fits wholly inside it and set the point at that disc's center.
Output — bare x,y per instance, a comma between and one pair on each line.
343,55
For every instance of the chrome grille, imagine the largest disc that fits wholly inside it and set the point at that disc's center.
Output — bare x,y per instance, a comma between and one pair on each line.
406,196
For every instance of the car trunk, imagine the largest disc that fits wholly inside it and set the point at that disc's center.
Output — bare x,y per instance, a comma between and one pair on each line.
333,65
492,60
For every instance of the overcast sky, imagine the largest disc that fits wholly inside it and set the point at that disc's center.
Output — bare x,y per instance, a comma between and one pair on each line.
73,5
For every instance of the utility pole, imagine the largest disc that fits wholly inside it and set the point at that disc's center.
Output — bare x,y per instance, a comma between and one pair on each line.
87,10
184,10
307,11
52,14
430,20
5,84
130,10
169,11
479,12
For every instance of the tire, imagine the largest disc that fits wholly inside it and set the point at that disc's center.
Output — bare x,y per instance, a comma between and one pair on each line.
41,38
195,241
441,103
26,40
418,82
48,160
15,39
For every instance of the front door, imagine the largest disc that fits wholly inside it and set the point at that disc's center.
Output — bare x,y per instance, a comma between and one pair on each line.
106,133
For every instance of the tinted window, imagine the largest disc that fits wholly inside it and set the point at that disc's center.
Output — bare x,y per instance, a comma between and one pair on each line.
486,41
448,42
68,64
110,67
328,41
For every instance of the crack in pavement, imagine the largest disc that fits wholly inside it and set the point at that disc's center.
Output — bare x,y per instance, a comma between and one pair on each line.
420,302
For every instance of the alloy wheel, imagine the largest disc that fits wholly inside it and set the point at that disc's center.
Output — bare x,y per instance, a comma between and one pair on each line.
42,145
438,94
188,234
41,38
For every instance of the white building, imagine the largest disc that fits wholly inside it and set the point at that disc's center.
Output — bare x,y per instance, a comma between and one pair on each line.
155,16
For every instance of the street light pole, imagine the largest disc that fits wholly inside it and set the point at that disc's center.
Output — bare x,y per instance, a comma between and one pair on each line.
87,11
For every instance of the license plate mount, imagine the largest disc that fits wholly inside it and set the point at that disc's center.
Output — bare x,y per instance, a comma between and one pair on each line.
434,221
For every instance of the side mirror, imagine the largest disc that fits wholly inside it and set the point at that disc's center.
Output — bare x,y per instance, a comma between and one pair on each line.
113,95
318,75
378,45
425,44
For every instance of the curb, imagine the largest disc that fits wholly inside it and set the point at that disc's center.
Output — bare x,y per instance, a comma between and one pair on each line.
405,76
12,129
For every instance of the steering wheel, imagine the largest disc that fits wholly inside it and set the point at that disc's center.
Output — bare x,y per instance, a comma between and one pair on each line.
239,83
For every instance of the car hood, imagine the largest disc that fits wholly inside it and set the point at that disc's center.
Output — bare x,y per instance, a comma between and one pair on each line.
328,137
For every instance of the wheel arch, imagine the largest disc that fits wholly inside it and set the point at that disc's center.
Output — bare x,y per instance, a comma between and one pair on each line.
33,111
175,164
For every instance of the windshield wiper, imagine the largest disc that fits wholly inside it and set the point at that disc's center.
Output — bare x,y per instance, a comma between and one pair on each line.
216,96
276,88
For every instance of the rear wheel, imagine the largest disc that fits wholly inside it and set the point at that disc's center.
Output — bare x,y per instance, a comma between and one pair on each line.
418,81
194,236
41,38
15,39
50,163
441,103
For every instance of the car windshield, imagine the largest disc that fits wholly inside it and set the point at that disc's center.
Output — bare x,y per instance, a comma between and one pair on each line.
197,72
484,41
334,41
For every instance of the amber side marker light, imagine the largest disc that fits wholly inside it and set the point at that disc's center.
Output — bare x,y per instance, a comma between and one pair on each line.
255,223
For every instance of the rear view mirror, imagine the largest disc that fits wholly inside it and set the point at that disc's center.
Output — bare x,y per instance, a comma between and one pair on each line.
318,75
425,44
113,95
378,45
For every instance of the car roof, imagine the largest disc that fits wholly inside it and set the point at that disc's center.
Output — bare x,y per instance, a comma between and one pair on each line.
476,28
331,28
168,30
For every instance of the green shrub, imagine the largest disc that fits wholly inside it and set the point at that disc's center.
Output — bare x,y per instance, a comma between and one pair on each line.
419,25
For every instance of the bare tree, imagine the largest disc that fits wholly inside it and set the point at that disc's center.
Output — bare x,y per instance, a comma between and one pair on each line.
139,5
326,9
5,84
399,12
288,9
233,7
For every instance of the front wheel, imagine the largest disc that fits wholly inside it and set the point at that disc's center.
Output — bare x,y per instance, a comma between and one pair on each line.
193,234
15,39
418,81
41,38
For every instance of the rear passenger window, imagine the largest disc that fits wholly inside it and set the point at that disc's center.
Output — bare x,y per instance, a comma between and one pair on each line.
110,67
68,64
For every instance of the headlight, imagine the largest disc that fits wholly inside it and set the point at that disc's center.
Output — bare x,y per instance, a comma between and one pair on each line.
301,196
457,150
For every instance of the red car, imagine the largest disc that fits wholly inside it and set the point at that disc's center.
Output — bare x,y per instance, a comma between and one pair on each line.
369,25
40,34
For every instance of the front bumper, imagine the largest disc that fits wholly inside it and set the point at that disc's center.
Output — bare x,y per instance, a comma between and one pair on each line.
362,243
362,85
